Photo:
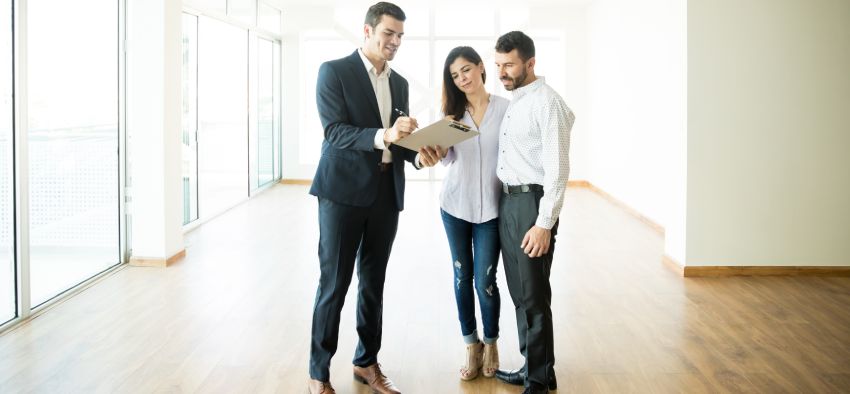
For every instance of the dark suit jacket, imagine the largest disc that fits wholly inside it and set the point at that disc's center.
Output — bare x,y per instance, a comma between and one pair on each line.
348,171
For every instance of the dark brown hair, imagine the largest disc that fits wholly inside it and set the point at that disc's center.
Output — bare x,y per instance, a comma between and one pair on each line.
454,101
523,44
373,16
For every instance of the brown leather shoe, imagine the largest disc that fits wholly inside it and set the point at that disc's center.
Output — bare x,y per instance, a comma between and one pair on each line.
375,378
318,387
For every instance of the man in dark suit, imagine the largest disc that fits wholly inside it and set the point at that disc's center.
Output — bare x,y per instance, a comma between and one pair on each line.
360,186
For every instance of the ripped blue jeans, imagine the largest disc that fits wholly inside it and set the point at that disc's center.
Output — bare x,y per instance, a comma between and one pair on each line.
475,259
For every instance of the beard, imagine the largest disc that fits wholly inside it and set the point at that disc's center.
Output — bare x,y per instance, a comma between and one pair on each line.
515,82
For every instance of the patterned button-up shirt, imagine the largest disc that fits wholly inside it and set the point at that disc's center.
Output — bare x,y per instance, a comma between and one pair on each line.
534,146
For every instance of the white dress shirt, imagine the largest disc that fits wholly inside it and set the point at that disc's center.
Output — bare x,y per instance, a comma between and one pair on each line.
381,84
534,146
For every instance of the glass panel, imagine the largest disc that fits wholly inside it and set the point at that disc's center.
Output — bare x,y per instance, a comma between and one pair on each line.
277,102
189,147
244,11
513,17
349,19
212,6
222,115
253,97
73,142
7,195
269,18
265,111
455,20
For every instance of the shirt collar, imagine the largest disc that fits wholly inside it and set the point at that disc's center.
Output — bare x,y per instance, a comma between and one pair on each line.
370,68
519,92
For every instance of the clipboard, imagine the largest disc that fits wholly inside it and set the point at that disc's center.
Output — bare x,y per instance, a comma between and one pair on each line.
444,133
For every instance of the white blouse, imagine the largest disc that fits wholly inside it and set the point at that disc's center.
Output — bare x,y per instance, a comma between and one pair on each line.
471,190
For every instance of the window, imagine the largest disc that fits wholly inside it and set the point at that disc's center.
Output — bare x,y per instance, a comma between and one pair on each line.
7,195
244,11
213,6
268,18
277,109
222,116
189,148
72,102
455,21
266,111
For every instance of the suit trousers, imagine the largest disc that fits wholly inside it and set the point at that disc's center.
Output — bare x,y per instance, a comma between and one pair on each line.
528,284
350,237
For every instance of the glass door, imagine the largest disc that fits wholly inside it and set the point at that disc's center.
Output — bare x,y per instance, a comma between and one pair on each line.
7,195
189,148
222,116
72,138
265,111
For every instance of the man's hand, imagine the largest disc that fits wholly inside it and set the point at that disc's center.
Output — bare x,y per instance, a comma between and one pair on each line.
536,241
402,128
429,156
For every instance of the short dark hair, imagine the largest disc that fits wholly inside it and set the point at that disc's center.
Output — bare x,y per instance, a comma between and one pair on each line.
373,16
454,101
523,44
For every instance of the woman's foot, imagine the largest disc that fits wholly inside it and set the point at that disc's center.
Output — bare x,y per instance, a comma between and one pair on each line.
490,360
474,359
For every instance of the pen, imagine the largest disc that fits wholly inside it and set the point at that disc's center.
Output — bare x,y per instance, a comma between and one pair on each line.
400,112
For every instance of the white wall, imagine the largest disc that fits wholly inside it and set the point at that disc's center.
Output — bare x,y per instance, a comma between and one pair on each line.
637,92
768,161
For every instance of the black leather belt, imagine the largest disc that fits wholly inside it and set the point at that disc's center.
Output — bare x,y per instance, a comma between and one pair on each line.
508,189
384,167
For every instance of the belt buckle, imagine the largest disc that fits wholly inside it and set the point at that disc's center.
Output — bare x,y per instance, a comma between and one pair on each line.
508,189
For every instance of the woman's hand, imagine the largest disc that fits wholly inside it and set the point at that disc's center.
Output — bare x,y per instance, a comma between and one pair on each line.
429,156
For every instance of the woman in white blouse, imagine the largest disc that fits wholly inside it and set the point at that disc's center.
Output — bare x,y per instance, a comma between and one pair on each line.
469,204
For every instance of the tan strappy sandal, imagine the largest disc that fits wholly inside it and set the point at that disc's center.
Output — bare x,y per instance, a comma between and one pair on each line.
491,360
474,359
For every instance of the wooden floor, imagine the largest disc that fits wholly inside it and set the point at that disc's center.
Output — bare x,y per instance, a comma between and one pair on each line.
234,316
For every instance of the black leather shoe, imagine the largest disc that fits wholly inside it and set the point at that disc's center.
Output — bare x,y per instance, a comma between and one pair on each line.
517,377
535,390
